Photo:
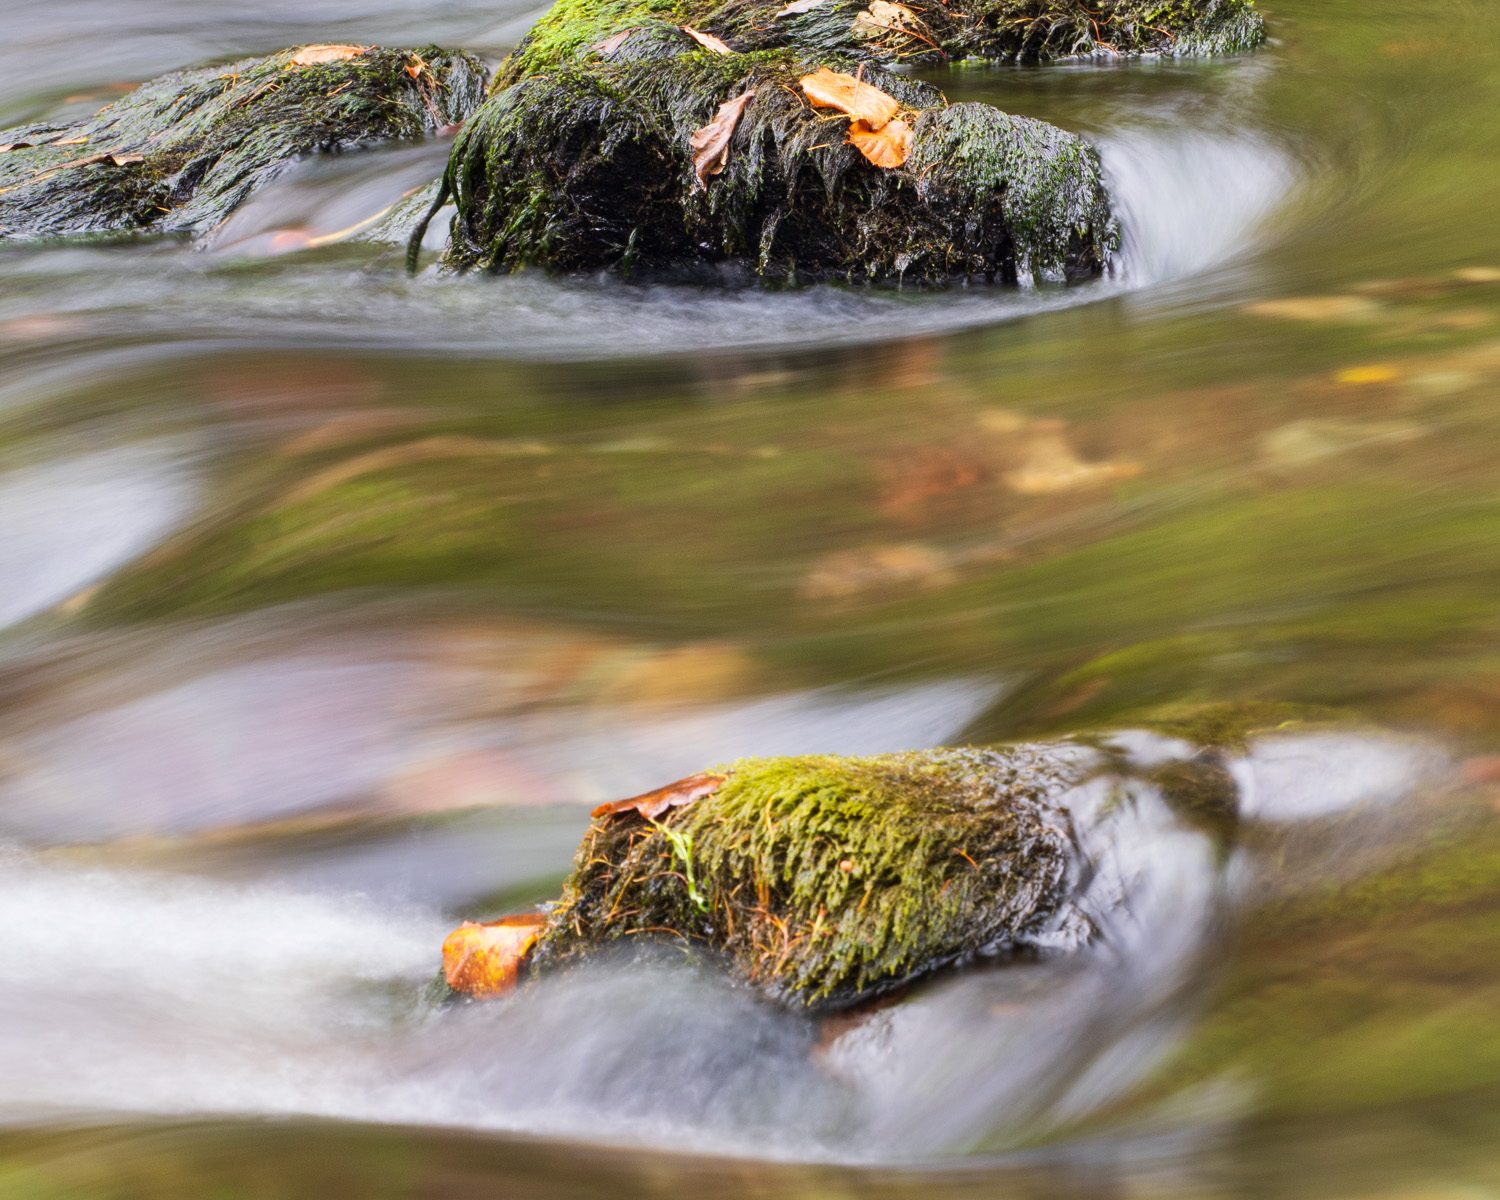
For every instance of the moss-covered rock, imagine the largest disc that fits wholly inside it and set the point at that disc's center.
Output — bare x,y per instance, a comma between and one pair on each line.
826,881
588,166
177,154
913,32
581,160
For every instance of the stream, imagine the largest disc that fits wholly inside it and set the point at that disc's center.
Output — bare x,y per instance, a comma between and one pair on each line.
333,598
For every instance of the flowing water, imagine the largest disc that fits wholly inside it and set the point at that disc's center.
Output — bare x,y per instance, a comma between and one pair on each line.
333,598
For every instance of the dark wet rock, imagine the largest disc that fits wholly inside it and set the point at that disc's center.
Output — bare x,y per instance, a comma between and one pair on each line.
588,166
179,153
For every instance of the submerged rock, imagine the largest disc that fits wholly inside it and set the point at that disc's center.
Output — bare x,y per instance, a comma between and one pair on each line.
581,158
179,153
828,881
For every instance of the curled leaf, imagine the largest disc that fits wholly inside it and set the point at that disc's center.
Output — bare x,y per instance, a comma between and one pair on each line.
416,66
887,146
652,804
484,960
862,101
710,145
310,56
707,40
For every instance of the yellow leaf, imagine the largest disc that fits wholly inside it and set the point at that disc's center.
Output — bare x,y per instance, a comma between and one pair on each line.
485,960
310,56
652,804
887,146
862,101
710,145
707,40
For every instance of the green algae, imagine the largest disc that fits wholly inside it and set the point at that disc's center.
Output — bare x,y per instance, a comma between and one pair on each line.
826,881
179,153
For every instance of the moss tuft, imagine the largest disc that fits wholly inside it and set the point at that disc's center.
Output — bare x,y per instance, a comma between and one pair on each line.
826,881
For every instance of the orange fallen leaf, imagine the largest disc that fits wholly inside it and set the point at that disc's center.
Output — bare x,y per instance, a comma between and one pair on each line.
862,101
416,66
652,804
707,40
710,145
484,960
310,56
887,146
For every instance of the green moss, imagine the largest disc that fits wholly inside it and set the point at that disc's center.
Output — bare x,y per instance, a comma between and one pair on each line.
192,145
825,881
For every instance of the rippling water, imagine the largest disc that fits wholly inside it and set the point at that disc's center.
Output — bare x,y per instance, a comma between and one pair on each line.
333,598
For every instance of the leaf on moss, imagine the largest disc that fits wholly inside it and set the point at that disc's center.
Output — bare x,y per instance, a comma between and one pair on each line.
310,56
710,145
652,804
612,43
862,101
484,960
887,146
707,40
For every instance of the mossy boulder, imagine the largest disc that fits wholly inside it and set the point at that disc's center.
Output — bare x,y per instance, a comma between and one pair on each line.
588,166
179,153
826,881
581,159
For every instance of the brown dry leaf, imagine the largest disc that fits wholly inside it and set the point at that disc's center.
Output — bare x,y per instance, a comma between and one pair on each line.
710,145
800,6
862,101
124,160
707,40
484,960
612,43
887,146
652,804
883,15
310,56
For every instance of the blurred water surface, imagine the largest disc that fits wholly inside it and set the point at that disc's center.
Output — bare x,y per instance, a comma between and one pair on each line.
333,598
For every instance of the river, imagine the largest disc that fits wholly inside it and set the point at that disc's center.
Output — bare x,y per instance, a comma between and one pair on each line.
333,598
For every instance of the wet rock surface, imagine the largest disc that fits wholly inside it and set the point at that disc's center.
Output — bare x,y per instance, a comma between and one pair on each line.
181,152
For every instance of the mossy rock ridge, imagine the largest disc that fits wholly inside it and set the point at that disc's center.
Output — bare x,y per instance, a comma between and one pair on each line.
179,153
588,166
918,31
826,881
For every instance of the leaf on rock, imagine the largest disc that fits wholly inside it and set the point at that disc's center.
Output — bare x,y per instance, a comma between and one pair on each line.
710,145
612,43
652,804
484,960
862,101
887,146
798,7
707,40
883,15
310,56
72,141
